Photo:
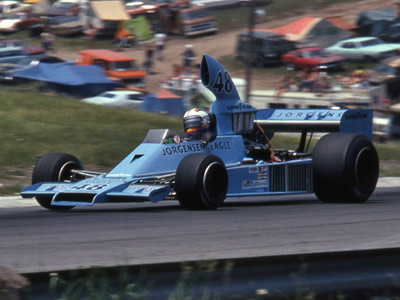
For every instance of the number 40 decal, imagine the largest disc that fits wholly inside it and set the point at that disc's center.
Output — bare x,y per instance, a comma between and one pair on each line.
223,83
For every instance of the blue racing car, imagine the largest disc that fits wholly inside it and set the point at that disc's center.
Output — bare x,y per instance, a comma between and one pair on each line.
226,152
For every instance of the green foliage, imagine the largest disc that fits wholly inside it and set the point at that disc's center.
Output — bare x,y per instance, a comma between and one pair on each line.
97,285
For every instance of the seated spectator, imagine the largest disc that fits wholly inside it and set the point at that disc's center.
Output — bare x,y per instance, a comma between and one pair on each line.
309,78
359,75
288,85
323,83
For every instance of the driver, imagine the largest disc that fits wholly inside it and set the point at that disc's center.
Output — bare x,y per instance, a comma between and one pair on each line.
196,123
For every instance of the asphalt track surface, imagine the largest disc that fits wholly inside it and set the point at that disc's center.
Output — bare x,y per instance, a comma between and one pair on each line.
34,239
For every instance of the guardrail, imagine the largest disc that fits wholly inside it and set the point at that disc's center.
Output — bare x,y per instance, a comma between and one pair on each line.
351,274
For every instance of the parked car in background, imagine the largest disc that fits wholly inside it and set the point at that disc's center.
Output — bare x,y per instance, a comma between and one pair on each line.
118,67
17,21
392,32
11,6
66,25
17,47
387,72
12,64
62,8
312,58
126,99
267,47
189,21
364,48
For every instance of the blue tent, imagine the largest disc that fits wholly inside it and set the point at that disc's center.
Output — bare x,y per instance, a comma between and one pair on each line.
164,102
69,78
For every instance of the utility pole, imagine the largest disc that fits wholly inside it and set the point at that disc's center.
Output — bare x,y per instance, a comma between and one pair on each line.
249,60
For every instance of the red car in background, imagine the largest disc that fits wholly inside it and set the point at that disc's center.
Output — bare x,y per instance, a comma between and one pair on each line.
316,57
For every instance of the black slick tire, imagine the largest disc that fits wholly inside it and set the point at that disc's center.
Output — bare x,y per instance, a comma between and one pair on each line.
201,181
54,167
345,168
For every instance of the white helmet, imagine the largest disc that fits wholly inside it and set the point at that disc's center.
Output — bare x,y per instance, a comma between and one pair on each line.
195,120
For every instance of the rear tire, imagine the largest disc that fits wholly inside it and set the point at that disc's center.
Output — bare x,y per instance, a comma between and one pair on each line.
345,168
54,167
201,181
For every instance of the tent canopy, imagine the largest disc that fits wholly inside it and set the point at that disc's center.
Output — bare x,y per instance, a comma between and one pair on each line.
314,32
75,80
140,27
164,102
109,10
65,73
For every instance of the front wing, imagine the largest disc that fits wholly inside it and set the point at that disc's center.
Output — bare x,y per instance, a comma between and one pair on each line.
97,190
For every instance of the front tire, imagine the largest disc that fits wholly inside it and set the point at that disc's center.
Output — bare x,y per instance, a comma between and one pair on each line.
54,167
201,181
345,168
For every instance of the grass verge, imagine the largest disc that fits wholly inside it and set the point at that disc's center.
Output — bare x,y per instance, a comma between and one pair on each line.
32,124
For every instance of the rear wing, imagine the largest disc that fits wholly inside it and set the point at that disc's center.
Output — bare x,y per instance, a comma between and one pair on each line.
316,120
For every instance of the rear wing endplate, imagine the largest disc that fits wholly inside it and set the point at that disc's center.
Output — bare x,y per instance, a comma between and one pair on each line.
316,120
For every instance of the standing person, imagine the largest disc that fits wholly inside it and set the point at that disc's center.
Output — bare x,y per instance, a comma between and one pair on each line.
148,58
91,33
160,39
47,40
188,56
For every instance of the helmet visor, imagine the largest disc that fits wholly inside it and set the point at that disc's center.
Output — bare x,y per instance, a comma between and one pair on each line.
192,122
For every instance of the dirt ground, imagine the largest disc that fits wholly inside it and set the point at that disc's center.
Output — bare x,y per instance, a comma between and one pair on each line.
223,43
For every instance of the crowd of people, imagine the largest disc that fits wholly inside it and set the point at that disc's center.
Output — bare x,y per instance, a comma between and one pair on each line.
317,81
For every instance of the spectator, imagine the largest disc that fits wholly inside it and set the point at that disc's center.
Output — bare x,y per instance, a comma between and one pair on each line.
188,56
309,78
359,75
91,33
148,58
47,40
160,39
288,85
122,37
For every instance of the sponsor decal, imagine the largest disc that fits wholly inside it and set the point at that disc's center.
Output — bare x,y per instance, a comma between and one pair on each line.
246,184
254,184
261,171
239,106
52,187
258,169
308,115
195,147
145,189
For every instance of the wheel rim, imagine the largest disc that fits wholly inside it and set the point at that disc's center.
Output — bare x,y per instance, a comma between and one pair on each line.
366,169
215,181
65,173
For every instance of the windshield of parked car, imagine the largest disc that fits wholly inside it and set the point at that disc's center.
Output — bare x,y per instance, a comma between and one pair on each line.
64,4
108,95
276,44
371,42
196,14
317,52
123,65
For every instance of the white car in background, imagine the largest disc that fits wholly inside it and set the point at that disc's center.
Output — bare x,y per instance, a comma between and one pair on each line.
364,49
127,99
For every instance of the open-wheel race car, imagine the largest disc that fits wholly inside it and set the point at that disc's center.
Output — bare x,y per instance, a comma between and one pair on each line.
234,157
